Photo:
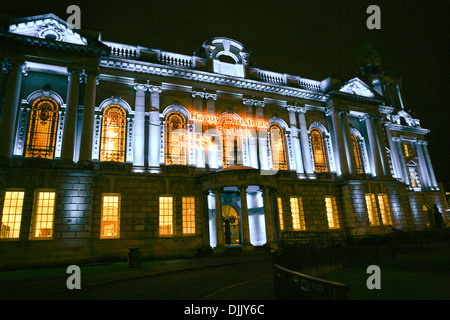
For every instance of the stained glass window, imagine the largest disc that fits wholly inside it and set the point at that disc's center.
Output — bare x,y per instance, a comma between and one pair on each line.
42,129
319,152
176,139
113,137
277,147
357,151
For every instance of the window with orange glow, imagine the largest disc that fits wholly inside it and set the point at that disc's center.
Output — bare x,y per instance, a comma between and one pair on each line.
319,152
277,147
176,142
165,216
110,218
280,213
297,213
232,132
43,215
357,151
372,210
385,209
11,214
188,213
42,128
113,138
331,206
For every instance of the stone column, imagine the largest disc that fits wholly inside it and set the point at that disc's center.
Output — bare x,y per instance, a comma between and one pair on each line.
219,222
295,140
425,175
139,128
349,143
262,137
394,154
404,171
87,134
268,217
154,132
244,219
10,107
199,154
252,139
382,146
212,158
340,142
377,167
433,181
68,142
304,139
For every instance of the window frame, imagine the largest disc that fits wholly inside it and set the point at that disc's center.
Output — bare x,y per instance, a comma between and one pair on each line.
104,129
102,221
188,220
170,216
35,214
325,163
2,214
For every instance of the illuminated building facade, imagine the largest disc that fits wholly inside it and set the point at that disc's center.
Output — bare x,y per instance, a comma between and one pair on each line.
108,146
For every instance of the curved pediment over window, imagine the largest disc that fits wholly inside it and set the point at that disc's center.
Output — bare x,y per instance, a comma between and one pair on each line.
227,56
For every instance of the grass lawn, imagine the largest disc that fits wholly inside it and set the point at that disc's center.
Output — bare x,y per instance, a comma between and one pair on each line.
408,277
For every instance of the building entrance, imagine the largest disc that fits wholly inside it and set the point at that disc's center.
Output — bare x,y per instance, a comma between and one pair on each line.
231,226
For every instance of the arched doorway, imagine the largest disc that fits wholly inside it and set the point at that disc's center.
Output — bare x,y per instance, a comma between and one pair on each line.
231,226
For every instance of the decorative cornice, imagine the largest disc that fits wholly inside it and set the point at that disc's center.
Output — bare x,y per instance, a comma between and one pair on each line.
206,77
399,127
253,102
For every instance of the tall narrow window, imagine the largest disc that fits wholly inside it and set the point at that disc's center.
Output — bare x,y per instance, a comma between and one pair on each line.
407,149
413,177
110,221
188,213
165,216
331,206
385,209
42,128
43,215
176,139
113,139
372,210
12,214
280,213
357,151
297,213
319,152
277,147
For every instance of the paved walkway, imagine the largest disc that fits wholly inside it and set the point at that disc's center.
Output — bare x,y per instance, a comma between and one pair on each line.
38,283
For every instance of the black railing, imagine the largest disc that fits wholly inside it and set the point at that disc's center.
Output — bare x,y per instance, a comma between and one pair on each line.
292,285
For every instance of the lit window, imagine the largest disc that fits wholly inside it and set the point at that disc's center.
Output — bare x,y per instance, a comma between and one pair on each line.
42,128
232,133
385,209
357,151
44,209
319,153
114,124
330,204
110,221
165,216
372,210
413,178
277,147
297,213
188,204
280,213
407,149
176,139
12,214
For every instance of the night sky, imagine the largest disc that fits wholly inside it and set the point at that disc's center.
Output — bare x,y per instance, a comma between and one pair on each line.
312,39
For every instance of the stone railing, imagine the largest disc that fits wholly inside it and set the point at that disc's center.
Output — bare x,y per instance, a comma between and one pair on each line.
273,77
121,50
176,59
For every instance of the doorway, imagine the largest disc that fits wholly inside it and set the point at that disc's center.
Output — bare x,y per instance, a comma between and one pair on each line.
231,226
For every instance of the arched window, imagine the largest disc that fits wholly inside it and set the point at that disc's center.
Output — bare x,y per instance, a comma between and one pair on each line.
175,139
42,129
232,132
319,152
113,138
277,147
357,151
